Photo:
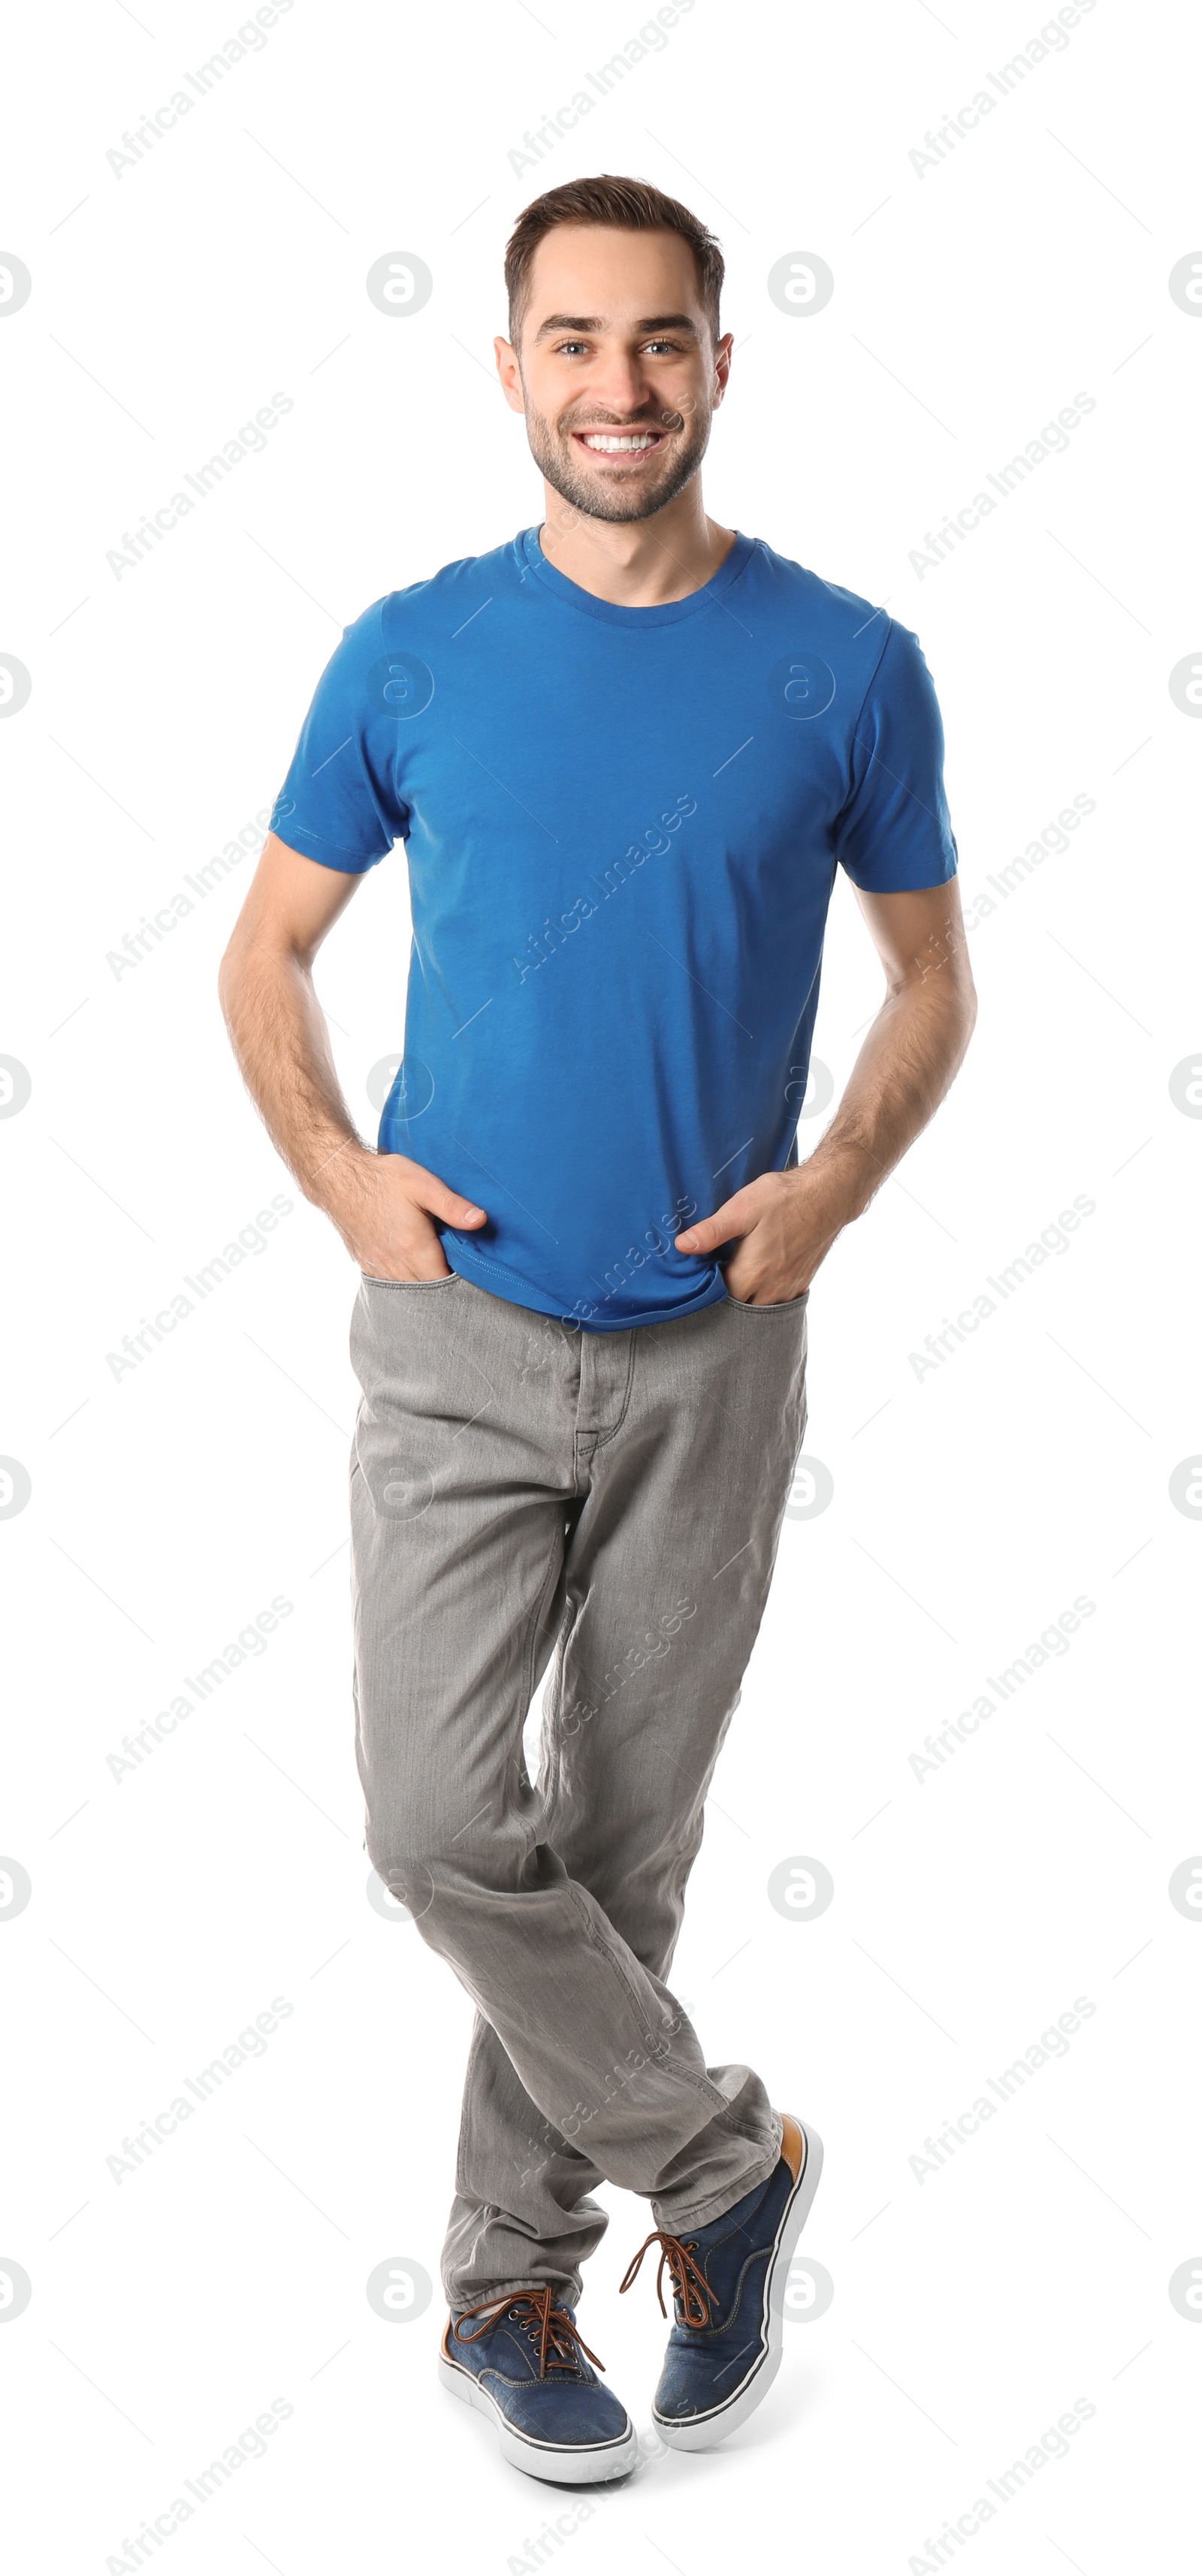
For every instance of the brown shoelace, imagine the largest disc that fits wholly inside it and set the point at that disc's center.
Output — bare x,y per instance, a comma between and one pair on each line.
559,2339
689,2284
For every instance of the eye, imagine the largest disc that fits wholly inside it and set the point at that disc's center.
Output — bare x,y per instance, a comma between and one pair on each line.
569,348
663,345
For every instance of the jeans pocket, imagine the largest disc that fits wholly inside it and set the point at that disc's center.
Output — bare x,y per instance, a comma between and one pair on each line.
408,1287
785,1306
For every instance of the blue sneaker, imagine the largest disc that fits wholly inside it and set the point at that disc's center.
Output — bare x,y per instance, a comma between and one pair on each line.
728,2287
526,2367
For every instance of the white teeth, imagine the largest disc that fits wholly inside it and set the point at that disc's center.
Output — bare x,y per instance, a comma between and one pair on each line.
618,446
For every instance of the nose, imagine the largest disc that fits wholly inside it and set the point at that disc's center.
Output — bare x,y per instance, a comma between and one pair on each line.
620,387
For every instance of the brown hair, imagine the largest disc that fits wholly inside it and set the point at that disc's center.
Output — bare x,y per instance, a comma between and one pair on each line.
630,205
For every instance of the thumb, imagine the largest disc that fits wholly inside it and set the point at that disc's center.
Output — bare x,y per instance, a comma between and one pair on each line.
430,1193
734,1216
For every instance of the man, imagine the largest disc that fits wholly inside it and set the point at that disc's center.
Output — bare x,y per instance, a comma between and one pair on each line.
626,751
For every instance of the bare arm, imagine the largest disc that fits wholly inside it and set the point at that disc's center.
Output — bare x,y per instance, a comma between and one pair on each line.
787,1221
381,1204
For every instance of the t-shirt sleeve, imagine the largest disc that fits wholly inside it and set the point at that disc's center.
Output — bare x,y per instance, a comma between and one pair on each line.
894,832
339,803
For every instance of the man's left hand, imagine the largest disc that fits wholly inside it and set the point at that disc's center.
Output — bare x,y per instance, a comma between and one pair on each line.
783,1226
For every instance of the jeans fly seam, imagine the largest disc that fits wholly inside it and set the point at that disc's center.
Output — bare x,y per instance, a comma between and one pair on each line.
603,1436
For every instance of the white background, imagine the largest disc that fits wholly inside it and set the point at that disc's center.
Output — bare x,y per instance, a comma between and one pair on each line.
971,1506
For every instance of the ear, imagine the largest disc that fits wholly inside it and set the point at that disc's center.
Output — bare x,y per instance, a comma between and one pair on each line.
510,374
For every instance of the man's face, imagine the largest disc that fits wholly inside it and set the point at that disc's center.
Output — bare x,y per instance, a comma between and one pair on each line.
616,373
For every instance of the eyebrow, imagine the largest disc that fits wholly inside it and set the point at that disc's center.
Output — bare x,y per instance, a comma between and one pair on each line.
583,322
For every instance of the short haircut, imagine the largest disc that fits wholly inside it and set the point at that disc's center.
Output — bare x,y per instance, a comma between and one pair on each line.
629,205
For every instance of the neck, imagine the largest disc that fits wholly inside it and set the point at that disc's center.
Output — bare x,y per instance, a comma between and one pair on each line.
636,563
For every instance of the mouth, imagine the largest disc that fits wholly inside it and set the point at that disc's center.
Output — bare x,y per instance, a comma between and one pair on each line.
623,447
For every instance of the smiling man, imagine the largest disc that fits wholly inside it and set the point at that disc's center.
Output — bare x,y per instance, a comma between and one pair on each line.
627,752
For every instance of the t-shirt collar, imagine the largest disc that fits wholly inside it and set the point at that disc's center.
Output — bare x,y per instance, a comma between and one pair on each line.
612,614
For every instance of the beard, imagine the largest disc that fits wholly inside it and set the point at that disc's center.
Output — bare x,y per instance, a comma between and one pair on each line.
673,466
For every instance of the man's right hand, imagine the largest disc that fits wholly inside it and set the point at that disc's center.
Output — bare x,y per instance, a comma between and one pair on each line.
383,1206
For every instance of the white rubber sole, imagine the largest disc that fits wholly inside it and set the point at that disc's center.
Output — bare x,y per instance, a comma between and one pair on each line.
703,2432
549,2460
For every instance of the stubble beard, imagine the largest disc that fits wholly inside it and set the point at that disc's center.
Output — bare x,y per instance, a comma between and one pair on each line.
553,453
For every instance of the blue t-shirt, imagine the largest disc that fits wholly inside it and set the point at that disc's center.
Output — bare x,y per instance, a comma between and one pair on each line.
623,826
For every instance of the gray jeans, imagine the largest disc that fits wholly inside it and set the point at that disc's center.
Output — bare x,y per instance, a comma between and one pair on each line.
522,1491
